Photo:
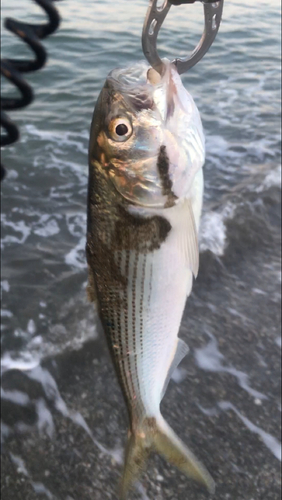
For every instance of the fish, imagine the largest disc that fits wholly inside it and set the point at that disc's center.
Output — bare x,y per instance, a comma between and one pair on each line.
145,191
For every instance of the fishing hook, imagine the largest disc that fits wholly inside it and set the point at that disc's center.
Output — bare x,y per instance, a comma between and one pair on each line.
154,19
12,69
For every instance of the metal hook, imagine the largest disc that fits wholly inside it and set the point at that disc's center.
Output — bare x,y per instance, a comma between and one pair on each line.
154,19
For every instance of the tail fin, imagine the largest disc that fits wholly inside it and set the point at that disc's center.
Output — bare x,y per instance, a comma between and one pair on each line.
156,435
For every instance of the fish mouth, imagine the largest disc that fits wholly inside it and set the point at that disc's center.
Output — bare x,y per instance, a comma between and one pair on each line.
128,77
166,91
132,84
142,90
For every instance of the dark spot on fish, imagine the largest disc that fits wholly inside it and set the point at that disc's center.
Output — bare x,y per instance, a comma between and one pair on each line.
138,233
150,423
163,168
138,460
104,274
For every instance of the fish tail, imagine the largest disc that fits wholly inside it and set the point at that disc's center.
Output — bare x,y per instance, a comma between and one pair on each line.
154,434
136,455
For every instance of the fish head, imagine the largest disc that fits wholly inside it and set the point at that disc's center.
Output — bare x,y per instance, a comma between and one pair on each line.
146,136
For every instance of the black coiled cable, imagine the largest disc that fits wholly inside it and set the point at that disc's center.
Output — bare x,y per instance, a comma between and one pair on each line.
12,69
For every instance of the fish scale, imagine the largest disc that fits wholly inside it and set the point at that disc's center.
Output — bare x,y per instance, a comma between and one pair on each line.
160,276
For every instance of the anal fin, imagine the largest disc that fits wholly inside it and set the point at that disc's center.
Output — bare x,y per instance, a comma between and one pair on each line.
181,350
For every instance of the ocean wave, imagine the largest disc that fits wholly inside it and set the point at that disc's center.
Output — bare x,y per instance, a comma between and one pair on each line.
213,230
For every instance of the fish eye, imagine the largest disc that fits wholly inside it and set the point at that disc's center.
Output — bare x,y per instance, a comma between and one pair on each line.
120,129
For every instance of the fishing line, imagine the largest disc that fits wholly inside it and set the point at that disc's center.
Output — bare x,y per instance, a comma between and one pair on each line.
13,69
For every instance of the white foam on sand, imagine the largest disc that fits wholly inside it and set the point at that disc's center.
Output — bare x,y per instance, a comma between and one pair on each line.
141,490
24,361
60,338
210,412
5,431
19,462
37,348
278,341
76,257
18,397
38,487
270,441
76,223
42,490
45,422
5,313
20,228
178,375
5,287
17,232
209,358
46,226
31,327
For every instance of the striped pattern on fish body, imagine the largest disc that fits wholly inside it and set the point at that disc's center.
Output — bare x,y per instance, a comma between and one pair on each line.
142,253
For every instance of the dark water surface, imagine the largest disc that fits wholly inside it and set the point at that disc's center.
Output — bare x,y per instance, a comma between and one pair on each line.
63,417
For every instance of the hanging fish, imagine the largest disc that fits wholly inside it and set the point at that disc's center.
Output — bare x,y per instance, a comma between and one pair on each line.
144,204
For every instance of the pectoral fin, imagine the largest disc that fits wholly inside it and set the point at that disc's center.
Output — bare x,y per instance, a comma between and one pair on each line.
188,239
181,350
